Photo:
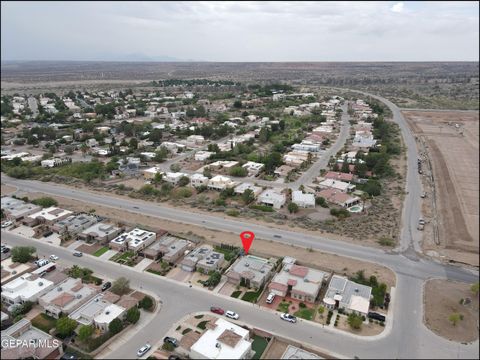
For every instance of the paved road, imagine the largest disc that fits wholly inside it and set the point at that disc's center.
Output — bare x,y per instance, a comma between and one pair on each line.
410,237
396,342
313,171
32,103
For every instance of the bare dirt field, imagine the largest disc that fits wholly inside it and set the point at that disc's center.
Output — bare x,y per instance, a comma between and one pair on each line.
7,189
441,299
328,262
451,142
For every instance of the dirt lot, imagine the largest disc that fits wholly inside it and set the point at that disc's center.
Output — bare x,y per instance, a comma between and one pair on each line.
7,189
452,144
329,262
441,299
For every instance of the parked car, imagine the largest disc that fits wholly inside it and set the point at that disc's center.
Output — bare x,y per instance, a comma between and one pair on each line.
217,310
5,250
53,257
421,221
6,224
424,195
232,315
106,286
47,233
143,350
270,298
170,340
288,317
420,227
376,316
77,254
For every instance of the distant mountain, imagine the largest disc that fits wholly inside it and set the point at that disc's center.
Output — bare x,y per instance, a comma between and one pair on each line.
132,57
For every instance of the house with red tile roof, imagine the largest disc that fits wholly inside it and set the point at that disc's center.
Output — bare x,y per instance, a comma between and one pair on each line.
299,282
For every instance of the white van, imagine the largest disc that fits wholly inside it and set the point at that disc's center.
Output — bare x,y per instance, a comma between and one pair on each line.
270,298
42,262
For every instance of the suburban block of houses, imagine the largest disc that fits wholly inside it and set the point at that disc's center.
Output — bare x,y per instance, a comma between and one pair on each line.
272,197
74,223
303,200
48,216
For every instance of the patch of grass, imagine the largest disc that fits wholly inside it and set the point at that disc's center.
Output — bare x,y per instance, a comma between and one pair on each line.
305,313
264,208
236,294
259,345
44,322
160,273
252,296
385,241
101,251
202,325
229,254
283,306
198,316
186,331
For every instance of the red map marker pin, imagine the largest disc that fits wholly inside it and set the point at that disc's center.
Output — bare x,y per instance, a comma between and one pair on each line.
247,239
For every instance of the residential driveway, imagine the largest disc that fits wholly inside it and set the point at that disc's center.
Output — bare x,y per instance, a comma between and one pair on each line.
142,265
227,289
76,244
53,239
180,275
107,255
23,230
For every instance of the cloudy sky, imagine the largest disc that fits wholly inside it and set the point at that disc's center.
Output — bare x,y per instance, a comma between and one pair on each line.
241,31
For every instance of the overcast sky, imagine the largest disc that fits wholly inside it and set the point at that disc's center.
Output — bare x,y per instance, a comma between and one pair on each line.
241,31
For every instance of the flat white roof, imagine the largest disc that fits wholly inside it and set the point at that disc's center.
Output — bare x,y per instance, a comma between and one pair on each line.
51,213
207,344
25,288
111,312
134,237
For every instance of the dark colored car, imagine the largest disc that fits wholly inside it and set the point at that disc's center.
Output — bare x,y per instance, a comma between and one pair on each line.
376,316
217,310
5,250
47,233
77,254
106,286
170,340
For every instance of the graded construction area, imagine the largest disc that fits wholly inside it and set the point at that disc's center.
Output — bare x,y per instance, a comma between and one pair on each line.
449,140
451,310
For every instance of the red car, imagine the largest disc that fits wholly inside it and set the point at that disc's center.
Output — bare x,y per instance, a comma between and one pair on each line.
217,310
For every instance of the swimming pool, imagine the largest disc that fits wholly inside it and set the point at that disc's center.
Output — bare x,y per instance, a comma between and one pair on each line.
355,208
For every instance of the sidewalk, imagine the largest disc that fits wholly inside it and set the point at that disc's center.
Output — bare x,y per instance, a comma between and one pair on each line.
107,255
142,265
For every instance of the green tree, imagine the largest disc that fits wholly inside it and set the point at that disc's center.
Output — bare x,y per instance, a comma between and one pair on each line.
133,143
45,202
85,332
248,196
237,104
121,286
84,149
321,201
65,326
183,181
133,315
355,321
292,208
175,167
146,303
161,154
157,179
207,172
22,254
115,326
238,171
